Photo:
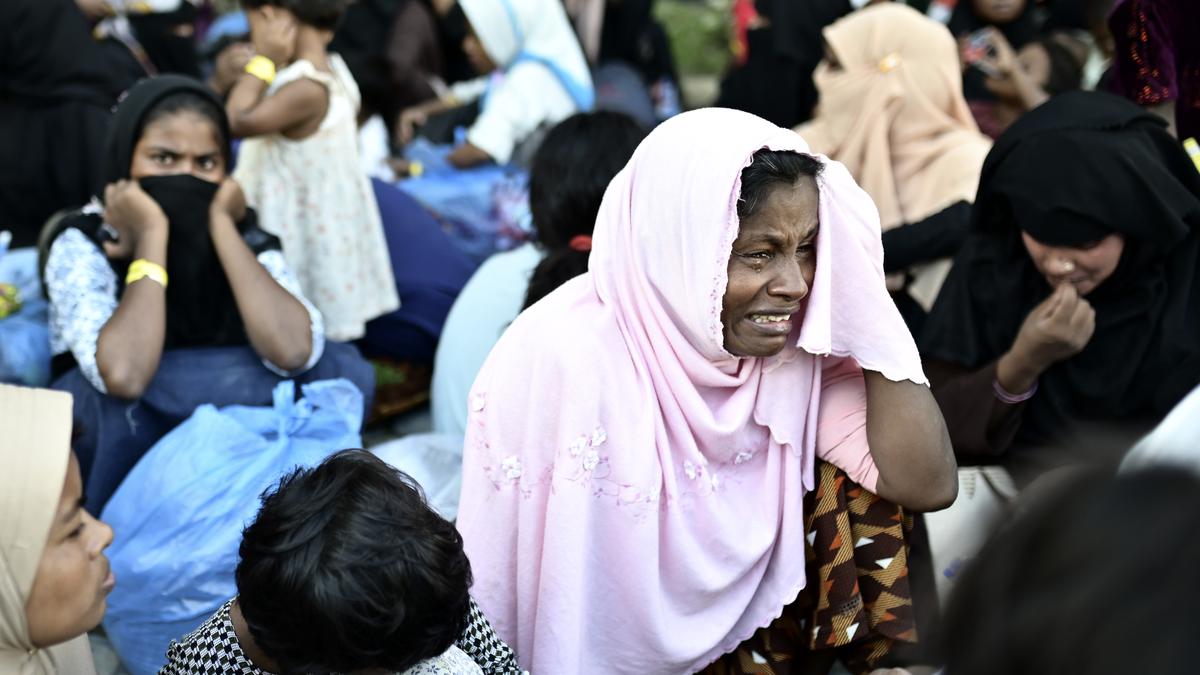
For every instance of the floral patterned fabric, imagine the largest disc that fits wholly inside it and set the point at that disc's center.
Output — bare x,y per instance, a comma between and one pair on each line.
313,194
82,288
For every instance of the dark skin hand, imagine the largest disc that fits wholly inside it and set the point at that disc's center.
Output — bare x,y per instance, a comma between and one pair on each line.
130,344
277,325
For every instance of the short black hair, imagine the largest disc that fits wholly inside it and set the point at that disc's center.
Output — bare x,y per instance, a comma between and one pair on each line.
190,101
325,14
771,168
347,568
1095,575
572,168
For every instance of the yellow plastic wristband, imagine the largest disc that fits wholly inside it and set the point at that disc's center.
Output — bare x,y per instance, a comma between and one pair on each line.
262,68
1193,150
144,269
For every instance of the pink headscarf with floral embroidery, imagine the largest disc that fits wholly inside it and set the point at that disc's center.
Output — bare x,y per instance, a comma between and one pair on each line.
632,493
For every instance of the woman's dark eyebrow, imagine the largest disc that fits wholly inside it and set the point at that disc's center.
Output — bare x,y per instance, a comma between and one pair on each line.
164,150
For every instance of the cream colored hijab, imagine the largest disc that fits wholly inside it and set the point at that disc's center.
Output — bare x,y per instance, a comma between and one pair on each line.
895,115
35,448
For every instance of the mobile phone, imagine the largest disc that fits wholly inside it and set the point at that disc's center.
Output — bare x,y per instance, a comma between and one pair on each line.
978,51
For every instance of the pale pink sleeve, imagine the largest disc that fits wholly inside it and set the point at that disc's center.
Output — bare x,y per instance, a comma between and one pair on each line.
842,422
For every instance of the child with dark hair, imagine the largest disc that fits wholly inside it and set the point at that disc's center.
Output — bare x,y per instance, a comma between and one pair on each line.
1092,575
570,173
346,569
297,105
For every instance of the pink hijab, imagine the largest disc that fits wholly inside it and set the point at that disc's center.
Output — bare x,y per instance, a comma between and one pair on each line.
632,493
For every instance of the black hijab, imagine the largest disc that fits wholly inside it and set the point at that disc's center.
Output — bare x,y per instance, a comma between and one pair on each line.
1080,167
168,52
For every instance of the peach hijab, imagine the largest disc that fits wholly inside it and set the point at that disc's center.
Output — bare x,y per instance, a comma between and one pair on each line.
895,115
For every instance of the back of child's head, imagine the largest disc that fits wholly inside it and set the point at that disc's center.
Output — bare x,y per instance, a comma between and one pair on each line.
1092,575
570,172
324,14
347,568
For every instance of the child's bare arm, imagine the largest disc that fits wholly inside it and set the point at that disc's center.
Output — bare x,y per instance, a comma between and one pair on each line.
296,106
467,155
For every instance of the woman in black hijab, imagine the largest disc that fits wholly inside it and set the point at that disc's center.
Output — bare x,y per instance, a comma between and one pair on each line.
56,99
168,294
1070,319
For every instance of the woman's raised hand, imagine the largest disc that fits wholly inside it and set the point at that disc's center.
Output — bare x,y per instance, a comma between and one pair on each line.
1057,329
229,200
134,214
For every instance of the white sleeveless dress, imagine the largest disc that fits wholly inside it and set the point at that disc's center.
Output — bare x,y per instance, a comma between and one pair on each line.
312,194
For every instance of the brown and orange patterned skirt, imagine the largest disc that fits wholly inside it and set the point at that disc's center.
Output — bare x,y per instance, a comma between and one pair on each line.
857,605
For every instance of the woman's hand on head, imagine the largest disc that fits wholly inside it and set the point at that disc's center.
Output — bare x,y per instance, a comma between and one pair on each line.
134,214
230,200
273,32
1057,329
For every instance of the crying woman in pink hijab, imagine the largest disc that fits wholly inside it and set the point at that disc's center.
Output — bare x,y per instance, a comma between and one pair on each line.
640,441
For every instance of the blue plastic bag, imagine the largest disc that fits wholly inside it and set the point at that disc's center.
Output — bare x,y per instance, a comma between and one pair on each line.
178,516
24,336
465,199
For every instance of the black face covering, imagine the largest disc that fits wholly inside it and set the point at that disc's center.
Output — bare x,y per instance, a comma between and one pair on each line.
201,310
170,53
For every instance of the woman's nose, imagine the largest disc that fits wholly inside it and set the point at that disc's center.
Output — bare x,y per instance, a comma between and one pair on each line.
1059,264
790,282
104,536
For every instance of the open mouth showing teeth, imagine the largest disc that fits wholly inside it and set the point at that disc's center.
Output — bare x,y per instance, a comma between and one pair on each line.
769,318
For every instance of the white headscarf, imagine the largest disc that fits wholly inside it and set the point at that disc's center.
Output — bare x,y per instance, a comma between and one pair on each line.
35,449
535,30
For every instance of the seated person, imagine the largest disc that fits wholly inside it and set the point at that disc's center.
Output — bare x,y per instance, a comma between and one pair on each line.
643,437
533,73
346,569
227,324
570,172
54,576
1070,311
892,110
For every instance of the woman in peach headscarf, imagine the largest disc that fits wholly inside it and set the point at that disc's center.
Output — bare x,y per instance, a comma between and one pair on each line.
892,110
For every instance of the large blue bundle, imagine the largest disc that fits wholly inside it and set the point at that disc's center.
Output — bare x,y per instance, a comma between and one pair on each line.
179,515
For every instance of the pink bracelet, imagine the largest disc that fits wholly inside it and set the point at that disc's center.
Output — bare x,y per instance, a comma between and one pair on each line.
1013,399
